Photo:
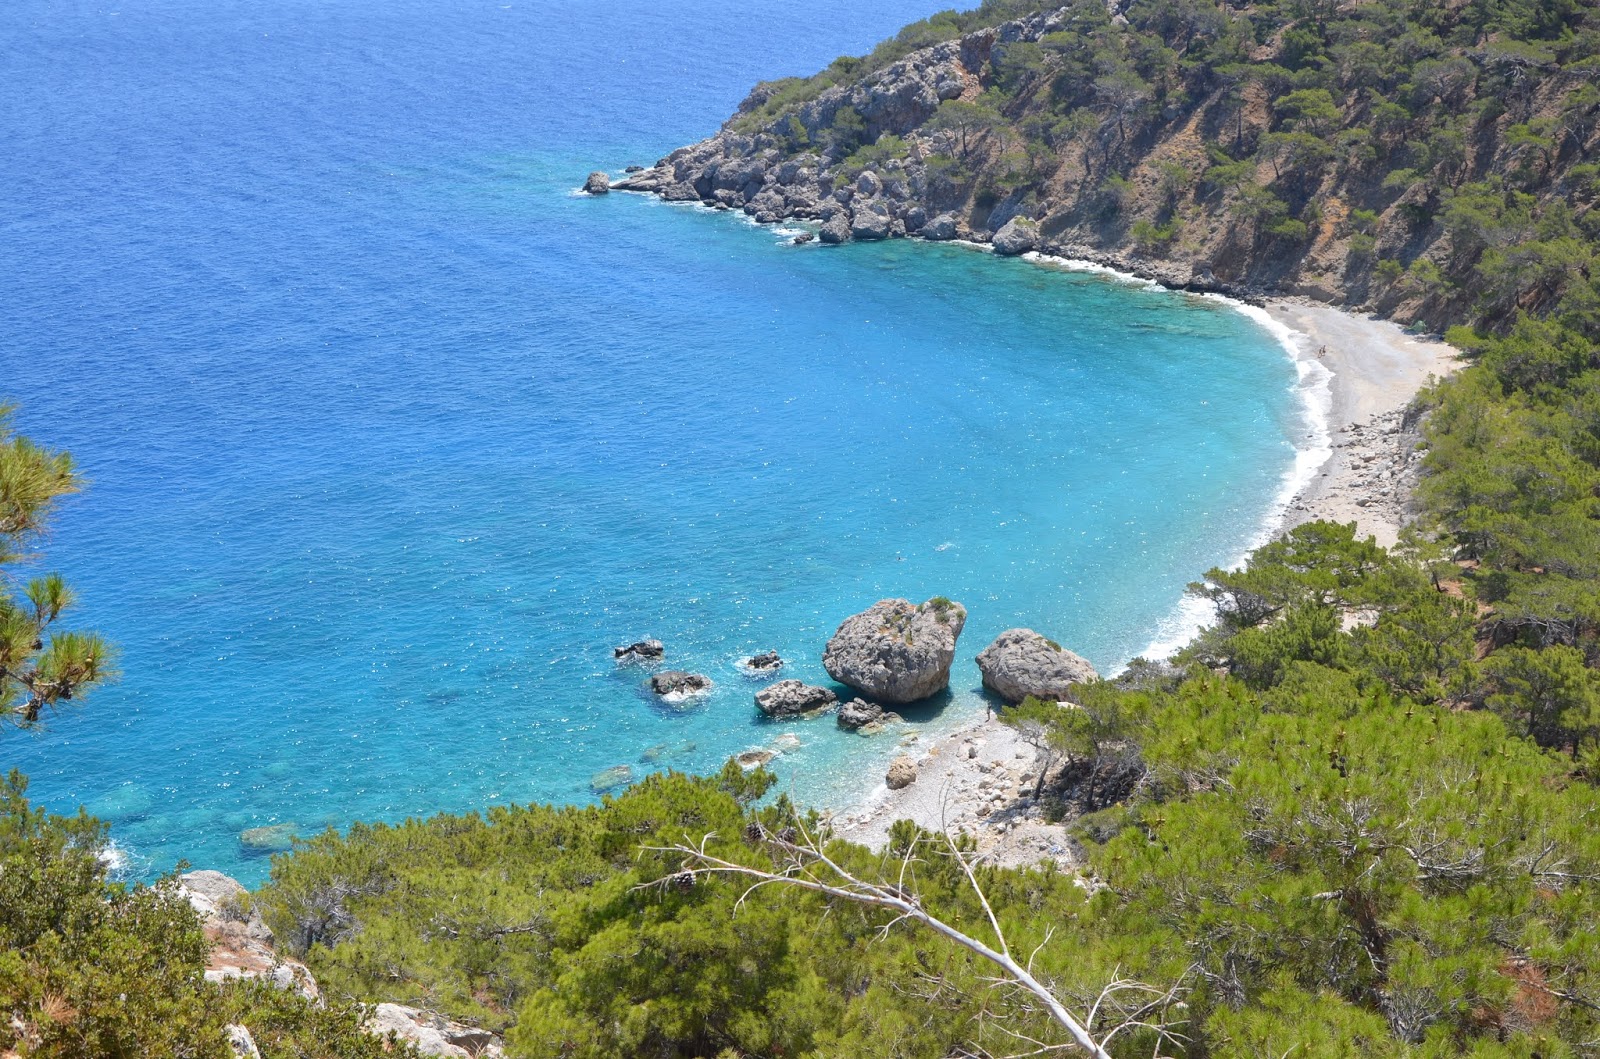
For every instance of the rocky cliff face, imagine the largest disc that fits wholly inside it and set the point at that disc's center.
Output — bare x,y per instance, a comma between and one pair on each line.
1234,148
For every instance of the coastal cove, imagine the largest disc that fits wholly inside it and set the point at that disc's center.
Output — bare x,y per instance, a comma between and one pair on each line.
375,494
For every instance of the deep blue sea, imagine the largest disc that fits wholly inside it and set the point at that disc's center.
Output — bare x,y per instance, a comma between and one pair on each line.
392,436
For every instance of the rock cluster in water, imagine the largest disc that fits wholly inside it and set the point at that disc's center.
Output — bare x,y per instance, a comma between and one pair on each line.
1020,663
897,651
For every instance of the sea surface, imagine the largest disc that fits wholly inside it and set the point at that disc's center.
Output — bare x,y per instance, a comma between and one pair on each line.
392,436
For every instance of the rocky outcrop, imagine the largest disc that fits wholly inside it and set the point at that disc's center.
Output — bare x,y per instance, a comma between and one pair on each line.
642,651
432,1034
766,662
902,773
241,1042
597,184
676,683
1016,236
791,698
241,942
1020,663
897,652
858,713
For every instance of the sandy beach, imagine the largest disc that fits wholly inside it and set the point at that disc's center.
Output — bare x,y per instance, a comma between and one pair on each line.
979,779
1377,369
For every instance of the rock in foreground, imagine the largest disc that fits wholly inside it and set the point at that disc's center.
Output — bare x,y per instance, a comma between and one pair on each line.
1020,663
897,652
597,184
791,698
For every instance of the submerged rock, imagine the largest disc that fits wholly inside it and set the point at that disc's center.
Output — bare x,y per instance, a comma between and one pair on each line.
858,713
897,652
1020,662
902,773
791,698
677,682
643,651
803,238
1018,236
273,838
597,184
610,779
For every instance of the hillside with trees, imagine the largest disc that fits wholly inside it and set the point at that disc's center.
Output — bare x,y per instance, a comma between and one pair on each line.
1355,817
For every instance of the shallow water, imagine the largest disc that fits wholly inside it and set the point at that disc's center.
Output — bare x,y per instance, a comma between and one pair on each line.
393,437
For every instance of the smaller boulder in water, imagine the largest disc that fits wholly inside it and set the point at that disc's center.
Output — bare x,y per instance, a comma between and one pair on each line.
858,713
597,184
791,698
677,682
643,651
766,661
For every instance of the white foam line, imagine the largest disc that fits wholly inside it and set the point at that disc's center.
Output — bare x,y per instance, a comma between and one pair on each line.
1313,386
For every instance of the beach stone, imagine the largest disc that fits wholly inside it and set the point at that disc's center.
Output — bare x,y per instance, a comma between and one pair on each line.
765,660
897,651
273,838
610,779
677,682
836,230
902,773
1017,236
791,698
939,229
1020,663
642,651
597,184
857,713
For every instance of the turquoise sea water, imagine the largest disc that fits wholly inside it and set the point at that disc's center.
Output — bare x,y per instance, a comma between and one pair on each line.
392,436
